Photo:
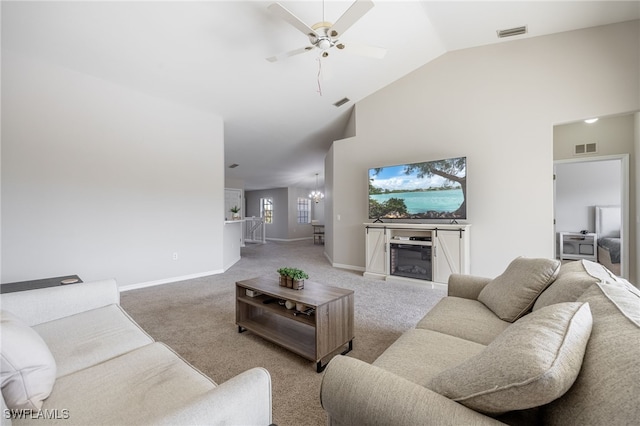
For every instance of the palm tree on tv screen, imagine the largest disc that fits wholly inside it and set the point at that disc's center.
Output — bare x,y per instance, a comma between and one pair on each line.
449,169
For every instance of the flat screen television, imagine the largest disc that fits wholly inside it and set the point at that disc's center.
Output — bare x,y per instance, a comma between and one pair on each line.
428,190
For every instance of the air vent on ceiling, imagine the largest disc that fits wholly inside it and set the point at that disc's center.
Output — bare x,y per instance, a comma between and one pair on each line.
510,32
341,102
585,148
233,166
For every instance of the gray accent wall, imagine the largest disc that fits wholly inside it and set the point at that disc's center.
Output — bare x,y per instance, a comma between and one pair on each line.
279,228
285,224
105,182
497,105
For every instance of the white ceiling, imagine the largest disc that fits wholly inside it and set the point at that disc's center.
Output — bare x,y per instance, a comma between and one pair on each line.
212,55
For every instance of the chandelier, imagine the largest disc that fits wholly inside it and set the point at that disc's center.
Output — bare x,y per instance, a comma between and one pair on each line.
316,195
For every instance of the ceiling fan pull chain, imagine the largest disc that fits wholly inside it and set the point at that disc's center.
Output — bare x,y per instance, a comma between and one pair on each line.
319,72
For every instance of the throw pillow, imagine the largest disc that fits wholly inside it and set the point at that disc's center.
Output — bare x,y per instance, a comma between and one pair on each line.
27,368
512,294
571,282
531,363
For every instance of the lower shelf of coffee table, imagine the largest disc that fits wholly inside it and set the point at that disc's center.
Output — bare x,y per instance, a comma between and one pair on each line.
295,336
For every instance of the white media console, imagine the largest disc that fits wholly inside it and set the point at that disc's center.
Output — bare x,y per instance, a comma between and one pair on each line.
416,252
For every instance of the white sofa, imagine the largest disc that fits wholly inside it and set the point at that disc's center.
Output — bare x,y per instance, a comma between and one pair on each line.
106,369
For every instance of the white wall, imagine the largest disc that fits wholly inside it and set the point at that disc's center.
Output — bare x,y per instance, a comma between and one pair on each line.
102,181
612,135
317,210
635,219
497,106
297,230
330,211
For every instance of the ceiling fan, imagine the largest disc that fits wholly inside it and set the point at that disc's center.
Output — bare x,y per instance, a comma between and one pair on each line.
325,35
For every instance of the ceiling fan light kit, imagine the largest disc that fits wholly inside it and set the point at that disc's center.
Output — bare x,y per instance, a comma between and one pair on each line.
324,43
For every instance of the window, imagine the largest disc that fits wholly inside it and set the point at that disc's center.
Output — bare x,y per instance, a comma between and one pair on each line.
266,209
304,210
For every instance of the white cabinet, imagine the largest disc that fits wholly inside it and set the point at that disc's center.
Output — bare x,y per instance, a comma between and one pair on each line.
416,252
576,245
449,254
376,252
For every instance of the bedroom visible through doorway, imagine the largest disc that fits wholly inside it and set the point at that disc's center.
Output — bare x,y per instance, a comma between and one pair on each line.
595,163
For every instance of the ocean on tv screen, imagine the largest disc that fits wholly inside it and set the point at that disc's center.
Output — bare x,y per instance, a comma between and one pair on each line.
443,201
421,202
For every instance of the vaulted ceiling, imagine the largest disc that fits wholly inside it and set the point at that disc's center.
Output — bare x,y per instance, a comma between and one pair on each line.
279,117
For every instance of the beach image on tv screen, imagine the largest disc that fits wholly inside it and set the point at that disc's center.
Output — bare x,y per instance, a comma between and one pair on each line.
429,190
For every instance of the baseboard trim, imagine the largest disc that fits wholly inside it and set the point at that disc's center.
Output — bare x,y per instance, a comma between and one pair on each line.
348,267
373,276
168,280
342,265
288,240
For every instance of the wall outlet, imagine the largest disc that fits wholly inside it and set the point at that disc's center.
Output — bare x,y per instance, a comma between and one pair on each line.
175,255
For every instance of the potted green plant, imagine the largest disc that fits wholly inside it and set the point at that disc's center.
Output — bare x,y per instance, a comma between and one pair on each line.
284,276
292,277
298,276
236,212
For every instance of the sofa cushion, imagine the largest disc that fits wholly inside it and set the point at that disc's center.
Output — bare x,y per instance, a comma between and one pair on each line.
606,391
143,386
28,370
91,337
464,318
513,293
419,355
572,280
533,362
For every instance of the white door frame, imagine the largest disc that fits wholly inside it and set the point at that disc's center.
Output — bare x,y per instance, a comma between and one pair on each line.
624,198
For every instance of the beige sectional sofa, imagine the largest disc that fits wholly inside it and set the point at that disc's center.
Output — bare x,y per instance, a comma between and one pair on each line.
540,344
71,355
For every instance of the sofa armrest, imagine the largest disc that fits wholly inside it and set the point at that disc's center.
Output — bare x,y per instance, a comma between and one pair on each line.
51,303
242,400
354,392
5,419
466,286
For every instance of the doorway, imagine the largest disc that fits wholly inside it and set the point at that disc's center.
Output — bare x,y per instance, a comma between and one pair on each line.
581,185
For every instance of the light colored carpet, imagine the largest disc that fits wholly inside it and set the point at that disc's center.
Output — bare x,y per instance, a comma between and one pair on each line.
197,319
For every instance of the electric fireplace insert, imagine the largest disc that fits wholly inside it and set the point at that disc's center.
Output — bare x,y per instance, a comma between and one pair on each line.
411,261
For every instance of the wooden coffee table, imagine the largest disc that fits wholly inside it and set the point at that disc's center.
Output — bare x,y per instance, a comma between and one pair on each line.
312,335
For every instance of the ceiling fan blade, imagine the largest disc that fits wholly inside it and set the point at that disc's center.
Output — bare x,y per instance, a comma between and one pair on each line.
285,14
356,11
364,49
290,53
